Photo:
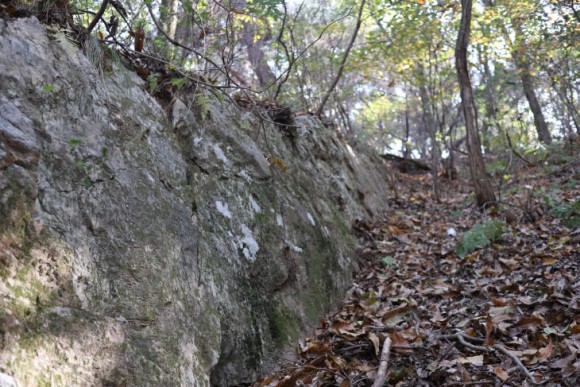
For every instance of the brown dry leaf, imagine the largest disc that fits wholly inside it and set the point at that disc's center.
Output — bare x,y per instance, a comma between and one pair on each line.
488,331
376,342
313,347
499,302
400,341
501,373
344,328
474,360
549,261
529,322
510,263
389,316
546,352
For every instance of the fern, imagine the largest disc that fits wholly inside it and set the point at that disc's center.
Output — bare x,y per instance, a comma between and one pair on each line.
94,52
202,104
64,38
568,212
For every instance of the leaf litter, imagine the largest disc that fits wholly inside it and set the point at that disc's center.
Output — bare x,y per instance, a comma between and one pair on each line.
506,313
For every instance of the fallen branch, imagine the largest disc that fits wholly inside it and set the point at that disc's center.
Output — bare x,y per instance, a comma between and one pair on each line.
461,337
382,373
518,362
474,383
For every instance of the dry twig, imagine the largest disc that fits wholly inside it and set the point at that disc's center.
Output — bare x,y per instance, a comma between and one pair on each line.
520,365
382,373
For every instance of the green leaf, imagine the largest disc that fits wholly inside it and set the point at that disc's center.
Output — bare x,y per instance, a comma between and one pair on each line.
48,88
81,164
74,142
389,260
178,82
152,81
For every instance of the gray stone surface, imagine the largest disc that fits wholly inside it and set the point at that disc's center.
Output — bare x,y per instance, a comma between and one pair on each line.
138,249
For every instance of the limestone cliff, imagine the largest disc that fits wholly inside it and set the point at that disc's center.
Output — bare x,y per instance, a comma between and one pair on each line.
141,248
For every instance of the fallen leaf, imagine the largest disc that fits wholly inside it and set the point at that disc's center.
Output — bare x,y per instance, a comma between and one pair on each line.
376,342
399,340
488,330
501,373
546,352
474,360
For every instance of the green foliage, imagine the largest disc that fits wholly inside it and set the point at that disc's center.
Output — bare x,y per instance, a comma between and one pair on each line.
90,167
202,104
569,212
152,82
48,88
496,168
388,260
456,214
178,82
265,7
571,184
480,236
73,142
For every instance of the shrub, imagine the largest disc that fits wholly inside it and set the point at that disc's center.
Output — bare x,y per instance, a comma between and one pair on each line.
480,236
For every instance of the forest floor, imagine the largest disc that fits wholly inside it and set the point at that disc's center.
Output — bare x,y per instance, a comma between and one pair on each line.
464,298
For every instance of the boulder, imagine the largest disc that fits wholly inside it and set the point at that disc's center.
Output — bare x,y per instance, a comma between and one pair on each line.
148,245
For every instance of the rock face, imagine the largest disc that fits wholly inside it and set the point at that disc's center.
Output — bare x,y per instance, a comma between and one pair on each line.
139,247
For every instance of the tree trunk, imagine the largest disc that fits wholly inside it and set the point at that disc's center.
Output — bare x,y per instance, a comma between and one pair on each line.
257,57
528,85
169,17
519,56
255,50
431,126
484,194
407,148
521,62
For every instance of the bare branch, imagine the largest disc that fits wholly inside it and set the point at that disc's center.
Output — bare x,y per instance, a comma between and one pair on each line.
98,16
344,58
520,365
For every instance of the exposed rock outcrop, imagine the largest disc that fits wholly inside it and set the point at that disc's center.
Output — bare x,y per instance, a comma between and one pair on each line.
137,249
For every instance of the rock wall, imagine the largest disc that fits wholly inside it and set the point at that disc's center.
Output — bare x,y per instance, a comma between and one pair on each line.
144,248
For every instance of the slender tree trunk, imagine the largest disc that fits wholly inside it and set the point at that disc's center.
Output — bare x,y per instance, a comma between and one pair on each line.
519,55
168,20
431,126
491,116
484,194
255,50
343,62
407,152
257,57
344,115
528,85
